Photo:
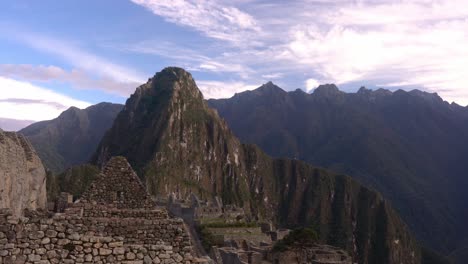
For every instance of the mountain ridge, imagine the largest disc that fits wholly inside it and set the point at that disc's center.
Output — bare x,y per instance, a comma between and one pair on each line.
71,138
403,144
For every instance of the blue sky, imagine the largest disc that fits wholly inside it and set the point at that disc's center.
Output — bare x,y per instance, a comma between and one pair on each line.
54,54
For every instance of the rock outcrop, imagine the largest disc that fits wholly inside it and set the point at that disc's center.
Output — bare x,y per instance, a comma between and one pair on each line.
181,146
22,176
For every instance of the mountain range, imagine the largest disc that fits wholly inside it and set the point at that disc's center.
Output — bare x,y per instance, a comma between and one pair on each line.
179,145
410,146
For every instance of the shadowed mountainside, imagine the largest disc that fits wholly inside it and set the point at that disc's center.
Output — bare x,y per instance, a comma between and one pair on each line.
410,146
71,138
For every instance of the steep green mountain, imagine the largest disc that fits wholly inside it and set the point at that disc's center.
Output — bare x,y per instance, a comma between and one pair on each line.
179,145
71,138
410,146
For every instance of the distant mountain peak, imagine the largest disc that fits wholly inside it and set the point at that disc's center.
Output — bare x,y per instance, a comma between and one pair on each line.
364,90
327,90
70,113
270,87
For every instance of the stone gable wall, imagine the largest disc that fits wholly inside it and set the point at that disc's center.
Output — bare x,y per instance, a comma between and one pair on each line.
118,186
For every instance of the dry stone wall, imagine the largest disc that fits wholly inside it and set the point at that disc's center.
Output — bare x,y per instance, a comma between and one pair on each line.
73,239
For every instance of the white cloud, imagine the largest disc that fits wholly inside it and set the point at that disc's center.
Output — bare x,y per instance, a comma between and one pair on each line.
311,84
218,89
32,102
272,76
398,12
214,19
430,56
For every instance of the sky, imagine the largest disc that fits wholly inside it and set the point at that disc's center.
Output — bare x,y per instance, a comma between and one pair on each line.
55,54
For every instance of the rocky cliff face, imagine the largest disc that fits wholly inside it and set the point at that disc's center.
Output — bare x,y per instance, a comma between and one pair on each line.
22,176
179,145
71,138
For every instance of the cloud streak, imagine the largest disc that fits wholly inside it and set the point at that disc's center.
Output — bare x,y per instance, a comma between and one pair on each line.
32,102
79,79
22,101
90,71
212,18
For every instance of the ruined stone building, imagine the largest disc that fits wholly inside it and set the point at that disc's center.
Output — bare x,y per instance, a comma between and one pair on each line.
115,221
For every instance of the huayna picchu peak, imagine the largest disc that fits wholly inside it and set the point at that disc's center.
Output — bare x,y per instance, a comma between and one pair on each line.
180,147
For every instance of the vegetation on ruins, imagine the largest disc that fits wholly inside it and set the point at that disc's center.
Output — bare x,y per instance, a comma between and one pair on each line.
301,237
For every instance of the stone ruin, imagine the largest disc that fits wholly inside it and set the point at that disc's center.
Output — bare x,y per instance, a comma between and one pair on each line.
118,186
193,209
246,252
317,254
247,245
114,222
